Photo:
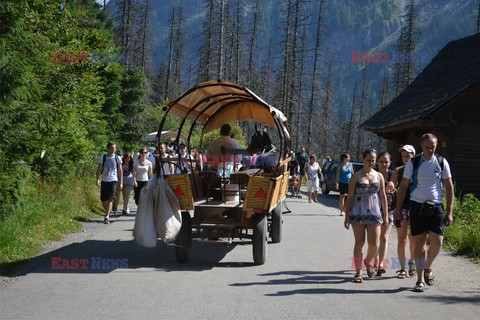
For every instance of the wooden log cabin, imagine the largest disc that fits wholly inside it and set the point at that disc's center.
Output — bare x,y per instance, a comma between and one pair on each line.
443,99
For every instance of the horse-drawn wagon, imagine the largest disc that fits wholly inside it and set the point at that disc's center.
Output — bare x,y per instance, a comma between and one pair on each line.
219,207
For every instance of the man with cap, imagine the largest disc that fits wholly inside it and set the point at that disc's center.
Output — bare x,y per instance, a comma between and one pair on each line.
428,171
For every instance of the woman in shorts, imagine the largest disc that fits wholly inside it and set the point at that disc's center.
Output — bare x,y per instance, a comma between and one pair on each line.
344,174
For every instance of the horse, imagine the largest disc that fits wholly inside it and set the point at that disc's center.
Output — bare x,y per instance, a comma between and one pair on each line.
269,156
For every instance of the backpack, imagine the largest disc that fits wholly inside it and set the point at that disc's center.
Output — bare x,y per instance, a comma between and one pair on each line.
116,160
416,164
391,197
416,161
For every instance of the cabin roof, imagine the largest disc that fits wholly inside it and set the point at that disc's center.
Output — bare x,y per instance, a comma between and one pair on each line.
454,70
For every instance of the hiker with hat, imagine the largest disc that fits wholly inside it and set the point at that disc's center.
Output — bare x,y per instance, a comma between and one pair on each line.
401,222
428,172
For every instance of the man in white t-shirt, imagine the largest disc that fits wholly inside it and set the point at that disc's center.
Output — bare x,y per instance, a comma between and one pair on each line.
110,167
427,171
167,166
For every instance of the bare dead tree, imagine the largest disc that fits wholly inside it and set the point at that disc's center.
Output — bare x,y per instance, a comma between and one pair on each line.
327,110
253,36
206,66
266,74
315,70
221,40
178,52
363,112
352,137
237,32
385,91
229,42
478,19
293,74
405,70
286,59
170,52
300,86
143,40
125,12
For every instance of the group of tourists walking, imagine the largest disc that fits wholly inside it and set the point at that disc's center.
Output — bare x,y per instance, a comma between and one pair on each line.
409,195
376,198
304,166
119,175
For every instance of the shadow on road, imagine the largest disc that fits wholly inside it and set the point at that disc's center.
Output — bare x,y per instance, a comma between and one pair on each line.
107,256
336,291
330,200
315,277
474,297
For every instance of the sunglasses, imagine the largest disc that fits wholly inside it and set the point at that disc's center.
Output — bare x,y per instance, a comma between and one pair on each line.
143,152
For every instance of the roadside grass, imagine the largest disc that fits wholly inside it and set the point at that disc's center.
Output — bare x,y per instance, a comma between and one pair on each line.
45,213
463,236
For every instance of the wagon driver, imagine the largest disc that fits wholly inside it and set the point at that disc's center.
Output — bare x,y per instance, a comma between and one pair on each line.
215,147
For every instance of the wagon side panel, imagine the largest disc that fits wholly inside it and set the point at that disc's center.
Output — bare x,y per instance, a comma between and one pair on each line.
181,186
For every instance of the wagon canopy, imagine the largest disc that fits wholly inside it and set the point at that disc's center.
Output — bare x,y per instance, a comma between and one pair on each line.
216,102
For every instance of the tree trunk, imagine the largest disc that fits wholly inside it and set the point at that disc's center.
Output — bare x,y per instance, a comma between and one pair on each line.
300,88
220,47
286,61
252,43
170,54
316,59
351,127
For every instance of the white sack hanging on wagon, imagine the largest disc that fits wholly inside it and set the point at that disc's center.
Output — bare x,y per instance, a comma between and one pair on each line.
144,230
167,214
